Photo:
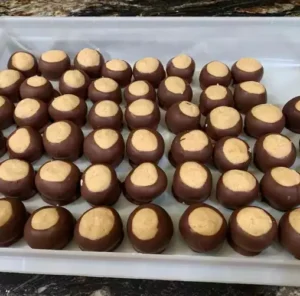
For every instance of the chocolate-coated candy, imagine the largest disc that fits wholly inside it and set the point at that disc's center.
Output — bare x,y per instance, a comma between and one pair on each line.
247,69
139,89
37,87
105,89
203,227
215,96
10,81
104,146
49,228
145,183
291,111
249,94
231,153
142,113
25,143
144,145
17,179
149,69
100,185
236,189
105,114
63,140
6,113
273,150
280,186
289,232
214,73
23,62
53,64
264,119
32,112
182,66
173,90
118,70
13,217
251,230
68,107
192,183
74,82
149,229
90,237
58,182
89,61
182,116
222,122
192,145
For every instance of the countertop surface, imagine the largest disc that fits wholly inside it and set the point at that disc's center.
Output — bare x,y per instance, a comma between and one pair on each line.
150,8
42,285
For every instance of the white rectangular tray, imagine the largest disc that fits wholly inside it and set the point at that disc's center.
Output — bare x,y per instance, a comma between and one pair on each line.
275,42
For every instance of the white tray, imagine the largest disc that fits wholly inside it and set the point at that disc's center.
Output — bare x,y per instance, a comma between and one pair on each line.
275,42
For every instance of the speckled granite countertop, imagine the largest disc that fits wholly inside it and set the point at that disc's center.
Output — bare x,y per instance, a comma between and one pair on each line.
150,7
31,285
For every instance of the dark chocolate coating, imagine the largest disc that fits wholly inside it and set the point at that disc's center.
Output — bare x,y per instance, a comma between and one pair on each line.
282,198
178,122
264,161
178,155
12,91
289,238
97,122
28,73
12,230
137,157
59,193
53,71
206,104
235,199
94,71
129,97
35,149
206,79
95,95
245,101
239,75
112,156
107,197
216,134
145,194
2,144
292,115
43,93
188,195
77,115
6,114
81,92
107,243
186,74
162,238
153,78
167,98
222,163
21,189
197,242
70,149
256,128
148,121
38,121
53,238
246,242
123,78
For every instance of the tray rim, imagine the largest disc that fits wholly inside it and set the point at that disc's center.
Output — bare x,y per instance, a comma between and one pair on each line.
28,256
